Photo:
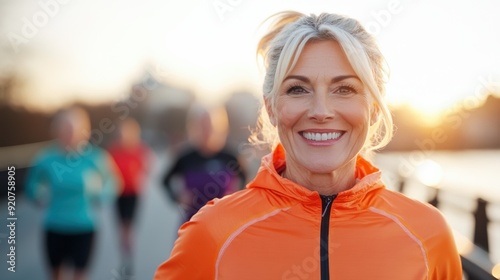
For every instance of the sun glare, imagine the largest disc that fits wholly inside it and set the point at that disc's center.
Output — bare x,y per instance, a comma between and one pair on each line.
429,107
429,115
209,50
430,173
496,271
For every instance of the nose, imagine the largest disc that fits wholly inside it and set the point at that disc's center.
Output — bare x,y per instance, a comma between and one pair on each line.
320,108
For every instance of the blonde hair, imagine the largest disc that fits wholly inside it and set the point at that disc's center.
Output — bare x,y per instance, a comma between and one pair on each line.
281,47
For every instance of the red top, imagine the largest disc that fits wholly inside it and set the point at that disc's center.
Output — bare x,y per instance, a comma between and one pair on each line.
132,164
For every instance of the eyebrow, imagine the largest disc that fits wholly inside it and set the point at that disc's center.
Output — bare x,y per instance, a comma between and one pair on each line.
334,80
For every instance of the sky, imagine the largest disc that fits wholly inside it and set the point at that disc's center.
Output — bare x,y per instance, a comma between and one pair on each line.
439,52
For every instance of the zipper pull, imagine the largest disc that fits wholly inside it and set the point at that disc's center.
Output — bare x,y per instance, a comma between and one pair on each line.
327,200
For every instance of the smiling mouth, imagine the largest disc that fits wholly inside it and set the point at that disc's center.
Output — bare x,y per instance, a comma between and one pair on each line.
325,136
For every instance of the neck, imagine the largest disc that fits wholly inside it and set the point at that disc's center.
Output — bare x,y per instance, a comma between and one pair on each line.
206,151
331,183
128,145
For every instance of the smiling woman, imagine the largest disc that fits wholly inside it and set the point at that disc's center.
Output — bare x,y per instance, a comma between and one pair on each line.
317,208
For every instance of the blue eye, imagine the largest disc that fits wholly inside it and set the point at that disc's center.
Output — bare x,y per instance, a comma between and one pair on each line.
296,90
345,90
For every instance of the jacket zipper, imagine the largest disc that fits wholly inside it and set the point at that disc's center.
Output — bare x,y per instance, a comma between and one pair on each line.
326,207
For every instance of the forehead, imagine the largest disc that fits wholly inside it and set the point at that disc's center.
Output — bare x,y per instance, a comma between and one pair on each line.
323,57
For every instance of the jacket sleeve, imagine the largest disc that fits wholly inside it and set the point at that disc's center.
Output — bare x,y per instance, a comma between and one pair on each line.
35,179
444,259
193,256
166,181
111,179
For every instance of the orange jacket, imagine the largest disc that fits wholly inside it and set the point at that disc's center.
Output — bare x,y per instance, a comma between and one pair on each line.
272,229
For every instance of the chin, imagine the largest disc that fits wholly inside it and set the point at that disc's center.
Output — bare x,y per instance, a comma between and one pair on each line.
322,167
327,164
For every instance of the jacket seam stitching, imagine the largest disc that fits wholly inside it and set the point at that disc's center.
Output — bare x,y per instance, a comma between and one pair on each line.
407,231
237,232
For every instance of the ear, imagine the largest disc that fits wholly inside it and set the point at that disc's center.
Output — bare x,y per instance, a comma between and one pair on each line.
270,111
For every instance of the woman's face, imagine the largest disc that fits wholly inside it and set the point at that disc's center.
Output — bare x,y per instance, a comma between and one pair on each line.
74,130
322,110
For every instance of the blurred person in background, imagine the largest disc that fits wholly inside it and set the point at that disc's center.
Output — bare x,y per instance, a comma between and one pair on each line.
207,168
69,178
317,208
131,155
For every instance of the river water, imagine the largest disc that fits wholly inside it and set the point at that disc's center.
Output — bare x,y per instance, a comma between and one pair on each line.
461,177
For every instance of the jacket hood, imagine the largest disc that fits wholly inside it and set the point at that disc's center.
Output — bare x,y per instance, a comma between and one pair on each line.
368,182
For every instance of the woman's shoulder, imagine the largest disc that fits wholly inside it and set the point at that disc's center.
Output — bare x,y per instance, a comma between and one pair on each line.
417,215
47,154
239,204
222,216
399,202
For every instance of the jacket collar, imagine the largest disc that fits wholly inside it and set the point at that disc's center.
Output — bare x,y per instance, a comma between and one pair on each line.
268,177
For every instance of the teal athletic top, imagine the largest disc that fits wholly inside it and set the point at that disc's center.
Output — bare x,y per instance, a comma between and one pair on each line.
71,184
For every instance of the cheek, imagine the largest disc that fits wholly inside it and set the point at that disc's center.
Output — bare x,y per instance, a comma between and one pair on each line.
357,114
289,112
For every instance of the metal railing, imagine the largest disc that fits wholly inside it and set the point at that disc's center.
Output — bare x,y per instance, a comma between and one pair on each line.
476,260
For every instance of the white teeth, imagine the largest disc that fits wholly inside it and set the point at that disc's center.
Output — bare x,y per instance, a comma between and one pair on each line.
321,136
